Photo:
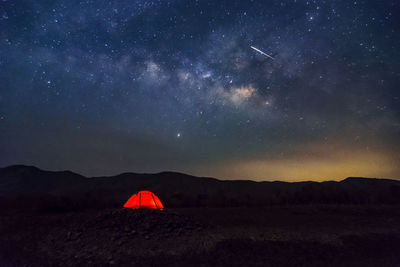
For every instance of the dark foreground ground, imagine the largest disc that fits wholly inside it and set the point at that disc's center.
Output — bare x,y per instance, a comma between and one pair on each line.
270,236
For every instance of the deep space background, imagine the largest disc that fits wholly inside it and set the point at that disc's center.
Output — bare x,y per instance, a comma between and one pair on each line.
103,87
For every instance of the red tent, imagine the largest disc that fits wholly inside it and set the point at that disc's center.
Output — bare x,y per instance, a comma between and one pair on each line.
144,200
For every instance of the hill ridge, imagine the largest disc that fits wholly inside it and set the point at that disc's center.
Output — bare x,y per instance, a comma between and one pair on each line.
41,188
162,173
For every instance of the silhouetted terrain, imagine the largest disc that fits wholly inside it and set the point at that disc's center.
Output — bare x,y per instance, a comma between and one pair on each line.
32,188
65,219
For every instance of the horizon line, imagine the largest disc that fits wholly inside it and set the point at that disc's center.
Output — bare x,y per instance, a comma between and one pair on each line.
196,176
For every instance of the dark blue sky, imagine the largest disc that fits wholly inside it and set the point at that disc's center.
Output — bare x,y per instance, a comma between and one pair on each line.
102,87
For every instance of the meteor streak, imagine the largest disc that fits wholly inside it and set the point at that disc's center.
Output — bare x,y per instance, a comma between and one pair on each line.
262,53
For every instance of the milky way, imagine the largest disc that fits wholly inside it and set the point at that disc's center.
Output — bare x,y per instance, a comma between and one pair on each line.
102,87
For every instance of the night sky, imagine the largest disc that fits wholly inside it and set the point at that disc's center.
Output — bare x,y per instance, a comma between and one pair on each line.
104,87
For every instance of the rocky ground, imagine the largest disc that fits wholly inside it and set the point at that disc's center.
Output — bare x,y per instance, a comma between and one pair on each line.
271,236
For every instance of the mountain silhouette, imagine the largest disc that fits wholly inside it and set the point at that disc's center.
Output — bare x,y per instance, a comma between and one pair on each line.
33,188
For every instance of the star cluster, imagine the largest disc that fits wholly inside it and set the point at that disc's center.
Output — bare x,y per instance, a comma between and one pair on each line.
102,87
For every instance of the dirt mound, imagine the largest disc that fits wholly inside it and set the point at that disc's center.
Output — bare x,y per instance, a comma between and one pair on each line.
145,224
113,235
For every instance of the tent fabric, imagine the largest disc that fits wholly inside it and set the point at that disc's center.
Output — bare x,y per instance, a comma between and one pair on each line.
144,200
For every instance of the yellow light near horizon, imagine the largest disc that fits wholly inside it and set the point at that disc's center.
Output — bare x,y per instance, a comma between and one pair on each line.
335,166
318,170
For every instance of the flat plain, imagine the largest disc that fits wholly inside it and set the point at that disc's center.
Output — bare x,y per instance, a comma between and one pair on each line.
293,235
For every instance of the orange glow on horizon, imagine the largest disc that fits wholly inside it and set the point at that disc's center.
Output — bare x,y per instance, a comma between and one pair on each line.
316,163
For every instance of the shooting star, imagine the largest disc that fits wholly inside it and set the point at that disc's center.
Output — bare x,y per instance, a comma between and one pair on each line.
262,53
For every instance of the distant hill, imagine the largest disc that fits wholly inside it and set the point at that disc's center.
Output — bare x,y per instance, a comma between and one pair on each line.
32,188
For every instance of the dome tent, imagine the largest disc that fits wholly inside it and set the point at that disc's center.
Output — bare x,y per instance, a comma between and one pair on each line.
144,200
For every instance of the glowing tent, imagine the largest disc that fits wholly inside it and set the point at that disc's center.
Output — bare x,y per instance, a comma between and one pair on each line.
144,200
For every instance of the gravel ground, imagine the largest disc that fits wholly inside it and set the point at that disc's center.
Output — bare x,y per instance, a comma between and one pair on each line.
271,236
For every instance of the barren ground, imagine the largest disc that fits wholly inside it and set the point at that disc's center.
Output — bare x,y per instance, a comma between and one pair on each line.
270,236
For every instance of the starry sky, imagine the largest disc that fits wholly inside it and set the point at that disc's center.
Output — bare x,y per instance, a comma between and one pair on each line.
103,87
